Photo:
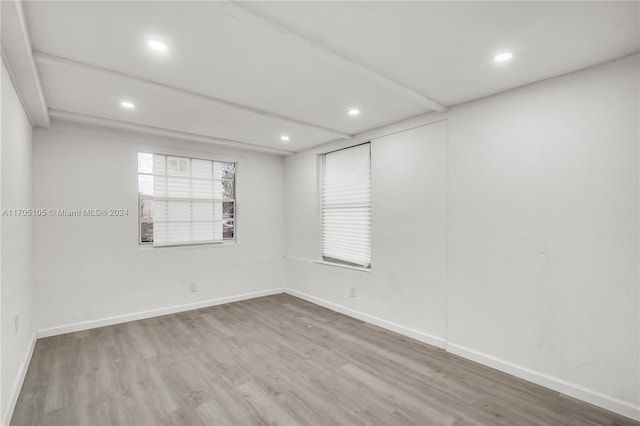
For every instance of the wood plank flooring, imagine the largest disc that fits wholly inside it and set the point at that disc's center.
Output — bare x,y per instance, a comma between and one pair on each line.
274,360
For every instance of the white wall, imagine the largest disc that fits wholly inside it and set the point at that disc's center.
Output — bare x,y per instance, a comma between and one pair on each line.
541,273
543,242
89,269
16,276
406,283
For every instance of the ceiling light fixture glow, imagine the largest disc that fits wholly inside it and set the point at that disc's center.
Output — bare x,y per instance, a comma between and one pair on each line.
284,138
503,57
157,45
354,112
127,105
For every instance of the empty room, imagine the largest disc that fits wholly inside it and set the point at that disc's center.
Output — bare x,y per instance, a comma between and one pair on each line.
320,213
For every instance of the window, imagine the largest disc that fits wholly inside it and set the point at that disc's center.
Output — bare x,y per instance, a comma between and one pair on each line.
185,201
346,206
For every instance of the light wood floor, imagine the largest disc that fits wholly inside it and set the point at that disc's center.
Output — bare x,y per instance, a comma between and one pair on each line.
274,360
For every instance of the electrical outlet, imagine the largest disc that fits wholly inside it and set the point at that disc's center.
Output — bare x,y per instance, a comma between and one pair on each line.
193,286
16,322
352,291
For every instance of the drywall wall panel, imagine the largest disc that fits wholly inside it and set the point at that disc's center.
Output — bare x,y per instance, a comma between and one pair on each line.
16,272
406,284
543,241
92,268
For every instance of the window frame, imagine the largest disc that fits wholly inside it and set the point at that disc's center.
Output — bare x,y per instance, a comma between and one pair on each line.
327,260
148,245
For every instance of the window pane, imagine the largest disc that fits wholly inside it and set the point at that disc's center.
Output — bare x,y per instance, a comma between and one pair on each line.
145,162
146,210
228,170
174,211
203,231
217,189
178,166
201,169
181,200
159,164
145,184
346,206
227,189
202,211
146,232
172,186
202,188
228,208
228,229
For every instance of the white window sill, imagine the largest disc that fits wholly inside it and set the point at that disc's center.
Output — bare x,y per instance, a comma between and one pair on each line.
150,247
340,265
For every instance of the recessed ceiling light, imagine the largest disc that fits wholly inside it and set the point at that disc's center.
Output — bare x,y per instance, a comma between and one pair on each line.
284,138
127,105
503,57
157,45
354,112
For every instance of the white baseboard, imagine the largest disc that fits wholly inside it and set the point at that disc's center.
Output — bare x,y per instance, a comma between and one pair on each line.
576,391
617,406
17,384
86,325
405,331
608,403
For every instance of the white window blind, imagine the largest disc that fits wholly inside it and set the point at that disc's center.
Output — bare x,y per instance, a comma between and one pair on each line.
346,206
188,201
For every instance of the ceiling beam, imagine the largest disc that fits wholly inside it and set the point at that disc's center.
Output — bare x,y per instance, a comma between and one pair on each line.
337,59
16,54
109,123
379,132
57,60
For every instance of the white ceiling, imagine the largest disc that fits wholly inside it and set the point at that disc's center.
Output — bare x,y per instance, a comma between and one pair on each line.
280,83
445,49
